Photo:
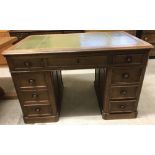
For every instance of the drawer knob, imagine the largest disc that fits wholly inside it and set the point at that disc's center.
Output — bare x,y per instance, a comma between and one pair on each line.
37,109
27,64
122,106
129,59
34,95
125,75
31,81
146,38
123,92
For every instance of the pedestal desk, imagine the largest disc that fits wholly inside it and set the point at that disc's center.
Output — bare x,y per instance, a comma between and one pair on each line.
119,60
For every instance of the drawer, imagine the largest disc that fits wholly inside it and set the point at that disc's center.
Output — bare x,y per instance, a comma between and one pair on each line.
122,106
77,60
124,75
30,80
34,96
26,63
129,59
149,38
37,110
123,92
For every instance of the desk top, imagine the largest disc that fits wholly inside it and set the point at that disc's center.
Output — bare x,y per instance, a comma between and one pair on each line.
77,42
6,40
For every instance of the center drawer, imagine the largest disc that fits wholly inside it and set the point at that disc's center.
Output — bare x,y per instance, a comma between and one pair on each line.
123,92
30,80
62,61
125,75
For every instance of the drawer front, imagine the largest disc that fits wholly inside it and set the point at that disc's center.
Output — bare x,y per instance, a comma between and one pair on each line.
26,63
124,92
61,61
126,75
93,60
129,59
29,96
37,110
149,38
30,80
122,106
76,61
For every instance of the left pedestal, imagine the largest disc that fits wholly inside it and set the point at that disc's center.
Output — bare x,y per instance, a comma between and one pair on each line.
38,95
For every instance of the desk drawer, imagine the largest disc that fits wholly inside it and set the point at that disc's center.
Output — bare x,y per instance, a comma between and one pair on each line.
37,110
123,92
129,59
149,38
29,96
122,106
124,75
30,80
76,60
26,63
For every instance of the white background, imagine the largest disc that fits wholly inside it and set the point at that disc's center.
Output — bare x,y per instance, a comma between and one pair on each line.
77,14
70,15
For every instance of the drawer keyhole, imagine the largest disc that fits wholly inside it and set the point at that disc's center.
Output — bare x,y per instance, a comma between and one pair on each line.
27,64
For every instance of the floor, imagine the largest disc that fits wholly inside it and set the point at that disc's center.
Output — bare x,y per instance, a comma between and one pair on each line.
79,104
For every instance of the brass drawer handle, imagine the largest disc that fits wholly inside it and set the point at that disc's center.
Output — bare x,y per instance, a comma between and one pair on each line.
129,59
125,75
27,64
34,95
122,106
38,109
31,81
123,92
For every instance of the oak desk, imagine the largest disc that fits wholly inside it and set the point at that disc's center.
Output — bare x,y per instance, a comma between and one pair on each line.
119,60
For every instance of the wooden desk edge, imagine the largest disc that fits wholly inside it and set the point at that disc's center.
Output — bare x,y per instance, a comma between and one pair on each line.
11,51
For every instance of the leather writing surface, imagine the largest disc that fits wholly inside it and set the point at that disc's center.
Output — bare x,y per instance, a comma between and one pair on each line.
77,42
